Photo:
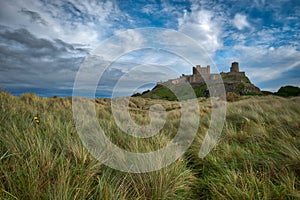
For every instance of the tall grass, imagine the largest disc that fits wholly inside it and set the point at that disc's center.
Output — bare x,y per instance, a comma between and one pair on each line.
257,156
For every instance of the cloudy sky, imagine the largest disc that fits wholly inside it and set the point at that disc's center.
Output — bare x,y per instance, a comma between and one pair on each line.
44,43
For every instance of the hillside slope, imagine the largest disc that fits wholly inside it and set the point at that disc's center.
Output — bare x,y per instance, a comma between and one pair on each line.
239,85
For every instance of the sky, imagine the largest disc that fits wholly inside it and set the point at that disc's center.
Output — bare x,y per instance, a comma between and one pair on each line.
44,44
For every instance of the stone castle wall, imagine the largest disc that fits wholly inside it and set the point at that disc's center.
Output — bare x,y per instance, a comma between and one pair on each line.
198,70
201,73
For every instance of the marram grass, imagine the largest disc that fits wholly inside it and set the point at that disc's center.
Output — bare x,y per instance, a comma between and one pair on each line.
257,156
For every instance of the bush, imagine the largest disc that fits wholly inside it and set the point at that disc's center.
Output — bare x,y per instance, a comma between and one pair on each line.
264,92
288,91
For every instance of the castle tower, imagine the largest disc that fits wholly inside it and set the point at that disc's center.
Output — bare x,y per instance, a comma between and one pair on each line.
234,67
198,70
208,69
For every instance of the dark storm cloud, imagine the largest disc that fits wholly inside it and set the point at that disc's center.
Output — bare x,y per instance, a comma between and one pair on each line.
34,16
28,61
27,41
23,37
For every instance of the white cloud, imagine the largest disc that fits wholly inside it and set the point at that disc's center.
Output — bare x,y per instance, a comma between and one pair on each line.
74,21
123,42
263,63
99,10
203,26
240,21
155,57
131,39
259,3
150,9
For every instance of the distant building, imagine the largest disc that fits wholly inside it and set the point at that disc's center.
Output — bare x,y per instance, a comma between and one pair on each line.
234,81
200,74
198,70
234,67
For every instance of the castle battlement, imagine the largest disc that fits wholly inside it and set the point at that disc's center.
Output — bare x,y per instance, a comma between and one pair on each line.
198,70
199,73
234,67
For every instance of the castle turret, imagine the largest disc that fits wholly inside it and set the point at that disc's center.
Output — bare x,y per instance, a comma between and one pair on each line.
234,67
198,70
208,69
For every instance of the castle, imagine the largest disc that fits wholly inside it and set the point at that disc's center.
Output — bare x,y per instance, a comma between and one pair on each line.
234,81
203,73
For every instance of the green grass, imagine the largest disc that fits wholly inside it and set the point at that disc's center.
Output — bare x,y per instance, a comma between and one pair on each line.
233,77
257,156
162,92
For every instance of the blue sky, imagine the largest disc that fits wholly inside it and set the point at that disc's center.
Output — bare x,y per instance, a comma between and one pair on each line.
44,43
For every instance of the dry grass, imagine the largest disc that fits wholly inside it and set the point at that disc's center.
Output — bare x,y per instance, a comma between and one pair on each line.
257,156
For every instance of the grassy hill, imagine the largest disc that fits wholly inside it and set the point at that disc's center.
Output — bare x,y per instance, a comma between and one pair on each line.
239,84
288,91
162,92
257,156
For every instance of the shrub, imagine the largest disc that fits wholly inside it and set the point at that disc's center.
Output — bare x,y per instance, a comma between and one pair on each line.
288,91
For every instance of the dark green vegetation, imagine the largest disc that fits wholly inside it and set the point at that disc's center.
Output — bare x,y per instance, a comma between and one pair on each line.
238,88
288,91
257,156
162,92
285,91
